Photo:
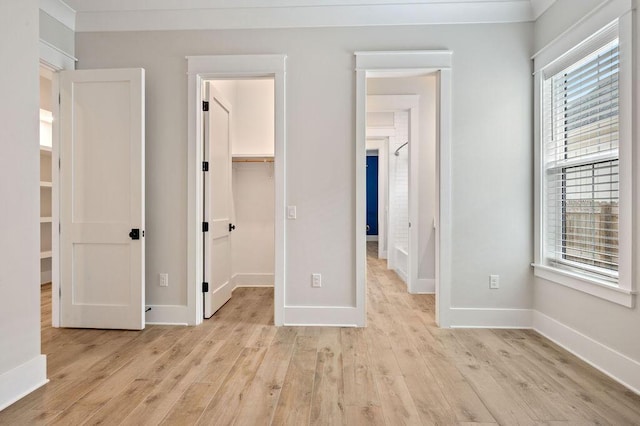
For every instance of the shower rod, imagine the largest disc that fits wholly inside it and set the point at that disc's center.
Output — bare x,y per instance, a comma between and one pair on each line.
397,153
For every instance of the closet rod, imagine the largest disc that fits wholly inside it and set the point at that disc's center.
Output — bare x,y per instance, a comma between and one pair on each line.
253,160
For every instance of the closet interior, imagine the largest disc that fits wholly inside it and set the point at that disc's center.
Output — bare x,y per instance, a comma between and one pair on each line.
253,189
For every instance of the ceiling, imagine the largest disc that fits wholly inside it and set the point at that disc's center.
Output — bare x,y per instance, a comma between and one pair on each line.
131,15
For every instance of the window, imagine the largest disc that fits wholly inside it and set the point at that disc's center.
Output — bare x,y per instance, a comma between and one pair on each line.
584,180
581,137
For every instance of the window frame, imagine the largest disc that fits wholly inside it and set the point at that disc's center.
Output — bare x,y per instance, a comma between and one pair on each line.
573,41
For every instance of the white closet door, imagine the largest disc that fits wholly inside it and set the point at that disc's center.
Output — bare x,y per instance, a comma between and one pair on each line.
102,199
218,203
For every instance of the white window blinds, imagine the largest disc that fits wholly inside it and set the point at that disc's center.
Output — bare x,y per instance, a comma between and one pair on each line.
581,132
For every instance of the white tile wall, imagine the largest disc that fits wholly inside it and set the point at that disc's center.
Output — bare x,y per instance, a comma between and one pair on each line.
400,181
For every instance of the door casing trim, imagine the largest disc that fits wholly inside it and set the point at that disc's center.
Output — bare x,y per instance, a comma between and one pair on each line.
200,68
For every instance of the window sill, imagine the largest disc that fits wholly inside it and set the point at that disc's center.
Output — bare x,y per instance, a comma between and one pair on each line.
584,284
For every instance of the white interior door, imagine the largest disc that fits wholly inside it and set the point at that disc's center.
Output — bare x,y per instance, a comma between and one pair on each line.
102,199
217,203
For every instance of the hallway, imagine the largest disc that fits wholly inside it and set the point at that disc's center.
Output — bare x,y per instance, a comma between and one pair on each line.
239,369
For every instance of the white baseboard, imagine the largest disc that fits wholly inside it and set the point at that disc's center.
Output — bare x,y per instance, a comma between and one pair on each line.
372,238
22,380
611,362
253,280
330,316
425,286
168,315
401,274
45,277
490,318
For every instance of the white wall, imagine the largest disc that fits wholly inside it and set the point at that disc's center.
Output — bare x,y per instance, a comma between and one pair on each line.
254,119
253,102
227,88
425,87
379,119
611,325
399,187
22,368
45,94
252,242
492,159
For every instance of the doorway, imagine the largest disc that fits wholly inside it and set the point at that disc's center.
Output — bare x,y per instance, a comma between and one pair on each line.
233,67
46,188
386,66
238,188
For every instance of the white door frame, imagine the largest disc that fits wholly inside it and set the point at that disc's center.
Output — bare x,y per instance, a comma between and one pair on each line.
411,104
199,69
406,63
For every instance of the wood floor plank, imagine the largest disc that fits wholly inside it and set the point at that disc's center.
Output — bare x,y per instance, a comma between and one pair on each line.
191,405
327,400
294,403
397,404
365,416
261,398
359,387
225,404
121,405
462,398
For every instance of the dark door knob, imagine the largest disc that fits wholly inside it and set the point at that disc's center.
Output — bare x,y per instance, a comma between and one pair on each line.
134,234
231,227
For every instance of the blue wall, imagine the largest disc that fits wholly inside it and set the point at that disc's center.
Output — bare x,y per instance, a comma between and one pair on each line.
372,194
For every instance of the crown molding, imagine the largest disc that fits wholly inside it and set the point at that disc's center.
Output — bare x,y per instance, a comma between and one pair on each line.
60,11
139,15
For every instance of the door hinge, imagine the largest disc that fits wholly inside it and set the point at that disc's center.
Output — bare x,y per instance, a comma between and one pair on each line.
59,101
205,105
59,163
205,166
205,226
60,292
59,228
205,287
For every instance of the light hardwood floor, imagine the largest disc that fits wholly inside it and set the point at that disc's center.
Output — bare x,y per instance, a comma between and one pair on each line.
239,369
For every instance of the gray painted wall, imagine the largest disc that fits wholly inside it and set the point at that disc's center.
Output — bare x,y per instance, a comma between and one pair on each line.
492,156
19,186
57,34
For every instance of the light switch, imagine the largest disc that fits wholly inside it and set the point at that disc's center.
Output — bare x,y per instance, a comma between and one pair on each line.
291,212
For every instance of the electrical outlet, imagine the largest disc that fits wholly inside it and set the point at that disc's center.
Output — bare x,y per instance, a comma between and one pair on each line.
316,280
164,280
494,281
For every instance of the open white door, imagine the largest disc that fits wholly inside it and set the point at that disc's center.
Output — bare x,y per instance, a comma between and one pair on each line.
217,203
102,199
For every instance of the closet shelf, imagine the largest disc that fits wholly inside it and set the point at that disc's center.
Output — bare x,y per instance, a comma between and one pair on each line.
46,219
45,254
266,158
44,184
44,148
